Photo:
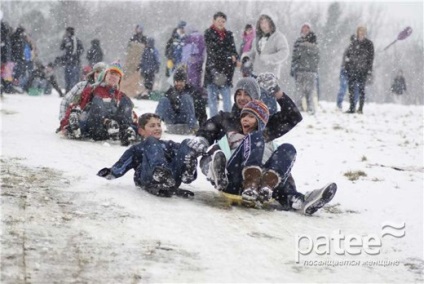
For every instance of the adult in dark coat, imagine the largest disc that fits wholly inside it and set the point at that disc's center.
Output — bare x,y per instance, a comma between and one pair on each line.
220,63
359,63
95,53
71,59
18,41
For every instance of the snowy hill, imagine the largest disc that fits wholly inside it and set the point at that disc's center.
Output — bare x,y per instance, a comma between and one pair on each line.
63,224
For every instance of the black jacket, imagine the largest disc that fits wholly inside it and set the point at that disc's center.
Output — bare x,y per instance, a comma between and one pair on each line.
219,53
278,124
73,50
95,53
359,58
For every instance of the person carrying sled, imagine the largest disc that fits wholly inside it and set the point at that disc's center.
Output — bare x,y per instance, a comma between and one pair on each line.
257,169
160,166
103,112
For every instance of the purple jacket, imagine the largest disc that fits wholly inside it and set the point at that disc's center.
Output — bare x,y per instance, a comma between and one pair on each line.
193,56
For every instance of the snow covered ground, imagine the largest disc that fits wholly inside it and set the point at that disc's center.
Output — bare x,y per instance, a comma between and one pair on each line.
63,224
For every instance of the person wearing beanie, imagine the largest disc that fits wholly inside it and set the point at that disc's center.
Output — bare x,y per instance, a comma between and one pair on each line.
304,67
73,49
74,95
227,130
255,167
103,111
176,108
359,65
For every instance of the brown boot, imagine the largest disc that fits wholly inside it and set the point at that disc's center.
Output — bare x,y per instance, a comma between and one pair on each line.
270,180
251,180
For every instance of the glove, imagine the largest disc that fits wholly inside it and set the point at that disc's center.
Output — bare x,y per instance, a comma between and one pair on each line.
198,145
370,78
106,173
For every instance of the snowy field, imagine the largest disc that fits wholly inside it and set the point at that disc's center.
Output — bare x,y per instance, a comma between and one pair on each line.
63,224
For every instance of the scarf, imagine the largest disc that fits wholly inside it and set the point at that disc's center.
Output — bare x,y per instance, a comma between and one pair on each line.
221,33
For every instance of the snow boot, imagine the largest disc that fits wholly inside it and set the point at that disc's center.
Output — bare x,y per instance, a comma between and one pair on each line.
73,129
127,135
217,172
190,172
317,198
270,180
112,129
162,175
251,180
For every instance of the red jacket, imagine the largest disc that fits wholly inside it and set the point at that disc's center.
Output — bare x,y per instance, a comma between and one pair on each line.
87,95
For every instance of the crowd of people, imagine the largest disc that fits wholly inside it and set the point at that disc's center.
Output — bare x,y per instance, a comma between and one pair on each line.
235,143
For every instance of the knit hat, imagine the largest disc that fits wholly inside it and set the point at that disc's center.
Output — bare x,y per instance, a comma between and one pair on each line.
268,82
115,66
259,110
180,75
249,85
306,24
181,24
139,28
98,67
86,70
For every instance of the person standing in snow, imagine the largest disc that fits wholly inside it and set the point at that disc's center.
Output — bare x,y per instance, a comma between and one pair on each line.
193,55
343,81
398,87
304,66
220,63
160,166
270,47
73,50
359,63
95,53
249,34
103,112
149,66
174,48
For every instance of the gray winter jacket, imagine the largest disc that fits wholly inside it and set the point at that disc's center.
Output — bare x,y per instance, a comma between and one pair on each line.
305,57
274,54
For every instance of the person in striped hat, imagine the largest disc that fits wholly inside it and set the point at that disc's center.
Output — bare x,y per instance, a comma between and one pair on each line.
103,112
258,169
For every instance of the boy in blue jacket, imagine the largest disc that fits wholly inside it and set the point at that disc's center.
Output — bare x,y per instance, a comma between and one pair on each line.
160,166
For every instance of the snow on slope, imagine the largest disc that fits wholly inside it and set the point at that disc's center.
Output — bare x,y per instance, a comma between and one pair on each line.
61,223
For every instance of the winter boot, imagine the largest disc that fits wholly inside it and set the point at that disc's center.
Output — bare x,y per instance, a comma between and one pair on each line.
162,175
251,180
112,129
190,172
217,172
127,135
74,130
317,198
270,180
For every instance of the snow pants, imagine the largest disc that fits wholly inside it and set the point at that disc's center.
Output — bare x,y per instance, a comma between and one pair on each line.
186,114
154,156
356,80
250,153
92,121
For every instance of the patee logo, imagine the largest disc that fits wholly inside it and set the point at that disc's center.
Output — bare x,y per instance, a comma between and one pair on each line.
346,244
